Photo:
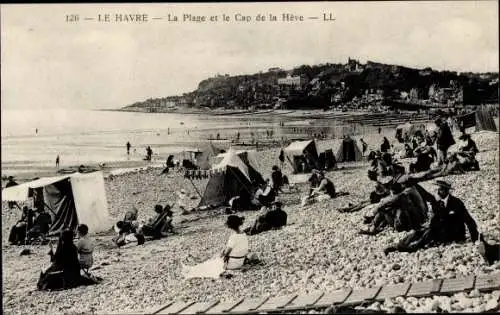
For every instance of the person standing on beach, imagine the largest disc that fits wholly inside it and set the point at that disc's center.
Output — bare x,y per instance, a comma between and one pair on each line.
364,144
379,130
444,140
57,161
128,147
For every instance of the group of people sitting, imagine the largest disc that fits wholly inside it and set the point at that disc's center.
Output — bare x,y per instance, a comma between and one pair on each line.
130,229
263,195
384,163
457,162
68,261
33,226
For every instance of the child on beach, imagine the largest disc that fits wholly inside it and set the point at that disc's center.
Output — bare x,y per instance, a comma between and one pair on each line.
85,247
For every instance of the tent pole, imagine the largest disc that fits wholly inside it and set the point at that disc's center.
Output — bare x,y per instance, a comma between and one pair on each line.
197,191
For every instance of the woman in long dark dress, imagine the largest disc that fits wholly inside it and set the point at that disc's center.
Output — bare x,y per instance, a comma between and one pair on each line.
64,273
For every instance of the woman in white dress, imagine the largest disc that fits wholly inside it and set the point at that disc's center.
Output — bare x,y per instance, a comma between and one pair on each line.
231,258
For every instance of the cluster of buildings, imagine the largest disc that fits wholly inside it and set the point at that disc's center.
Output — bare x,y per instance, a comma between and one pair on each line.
348,84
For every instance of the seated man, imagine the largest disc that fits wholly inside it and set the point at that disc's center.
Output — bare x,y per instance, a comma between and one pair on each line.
313,180
381,190
269,218
41,225
380,163
17,234
447,225
277,179
404,210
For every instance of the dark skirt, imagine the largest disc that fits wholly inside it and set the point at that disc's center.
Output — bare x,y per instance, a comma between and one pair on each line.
17,235
54,279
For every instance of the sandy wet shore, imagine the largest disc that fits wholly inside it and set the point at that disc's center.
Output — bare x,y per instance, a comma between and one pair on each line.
318,250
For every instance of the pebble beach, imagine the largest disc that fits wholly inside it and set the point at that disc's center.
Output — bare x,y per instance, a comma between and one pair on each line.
319,249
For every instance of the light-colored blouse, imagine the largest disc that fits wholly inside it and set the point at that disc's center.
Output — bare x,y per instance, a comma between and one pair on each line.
238,242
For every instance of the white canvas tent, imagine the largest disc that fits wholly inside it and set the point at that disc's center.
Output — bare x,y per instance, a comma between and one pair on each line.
71,200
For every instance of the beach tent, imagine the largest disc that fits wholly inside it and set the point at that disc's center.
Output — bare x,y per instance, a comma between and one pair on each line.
233,173
302,155
349,151
205,154
70,200
482,119
202,155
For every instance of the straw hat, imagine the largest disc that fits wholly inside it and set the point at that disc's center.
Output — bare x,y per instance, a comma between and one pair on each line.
443,183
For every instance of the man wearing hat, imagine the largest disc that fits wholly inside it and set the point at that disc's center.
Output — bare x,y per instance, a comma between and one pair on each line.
446,226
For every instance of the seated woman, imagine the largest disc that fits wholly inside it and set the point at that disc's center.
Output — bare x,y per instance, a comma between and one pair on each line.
17,234
85,248
466,156
41,225
269,218
243,201
264,195
278,179
234,256
64,273
425,157
325,190
325,187
131,215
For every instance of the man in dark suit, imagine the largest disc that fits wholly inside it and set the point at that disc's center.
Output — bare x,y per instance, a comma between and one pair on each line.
272,217
446,226
444,140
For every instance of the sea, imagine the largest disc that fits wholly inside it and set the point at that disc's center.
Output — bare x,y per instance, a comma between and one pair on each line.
32,139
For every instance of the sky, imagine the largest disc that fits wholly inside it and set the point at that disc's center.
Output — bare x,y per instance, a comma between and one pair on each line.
47,62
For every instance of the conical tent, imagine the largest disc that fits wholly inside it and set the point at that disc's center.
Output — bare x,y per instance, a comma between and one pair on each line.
233,174
206,153
349,151
70,200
